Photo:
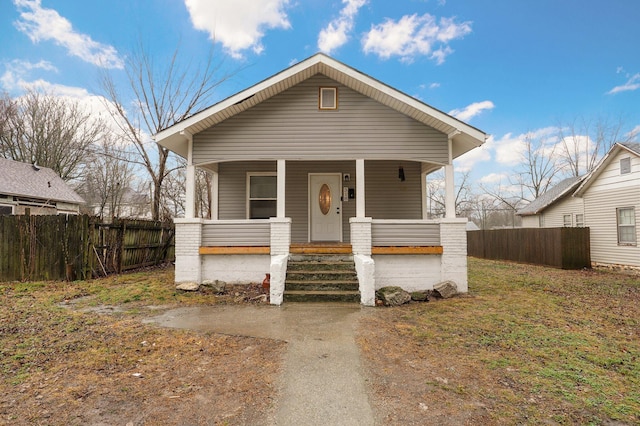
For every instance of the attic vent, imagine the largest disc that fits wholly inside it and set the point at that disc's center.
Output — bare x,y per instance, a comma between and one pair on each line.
328,98
625,165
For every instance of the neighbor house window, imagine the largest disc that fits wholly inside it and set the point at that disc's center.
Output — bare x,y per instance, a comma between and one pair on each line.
6,210
567,220
580,220
328,98
626,225
262,191
625,166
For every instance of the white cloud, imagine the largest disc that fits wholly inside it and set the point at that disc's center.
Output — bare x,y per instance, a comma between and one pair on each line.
492,178
41,24
13,78
415,35
510,149
633,83
472,110
337,31
634,133
434,85
240,24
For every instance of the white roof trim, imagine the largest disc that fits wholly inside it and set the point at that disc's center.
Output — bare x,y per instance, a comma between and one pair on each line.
173,137
604,162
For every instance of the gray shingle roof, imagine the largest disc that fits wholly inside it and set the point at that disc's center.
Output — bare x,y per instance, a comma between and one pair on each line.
633,146
551,196
23,180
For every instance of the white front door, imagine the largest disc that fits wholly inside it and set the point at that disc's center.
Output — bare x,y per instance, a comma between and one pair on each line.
325,207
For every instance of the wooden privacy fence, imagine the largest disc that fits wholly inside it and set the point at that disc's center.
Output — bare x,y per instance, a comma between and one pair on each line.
566,248
79,247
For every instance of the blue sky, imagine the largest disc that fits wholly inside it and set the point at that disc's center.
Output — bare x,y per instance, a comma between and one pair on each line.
507,67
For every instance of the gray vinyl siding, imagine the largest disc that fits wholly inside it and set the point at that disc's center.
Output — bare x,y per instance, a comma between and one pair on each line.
389,198
257,233
409,234
290,126
386,197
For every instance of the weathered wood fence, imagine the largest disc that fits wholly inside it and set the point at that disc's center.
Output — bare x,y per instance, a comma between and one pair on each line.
79,247
566,248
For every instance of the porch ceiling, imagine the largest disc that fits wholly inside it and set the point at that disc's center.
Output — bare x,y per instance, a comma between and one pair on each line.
465,136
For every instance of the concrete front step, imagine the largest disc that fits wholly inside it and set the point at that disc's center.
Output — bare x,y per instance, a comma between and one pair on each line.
319,278
322,275
325,285
321,296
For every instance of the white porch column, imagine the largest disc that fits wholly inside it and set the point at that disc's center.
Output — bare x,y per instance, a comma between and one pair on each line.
282,174
360,199
190,201
425,194
215,183
449,182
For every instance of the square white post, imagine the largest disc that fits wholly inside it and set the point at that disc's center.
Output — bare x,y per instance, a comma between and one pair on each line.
449,183
190,196
360,199
281,179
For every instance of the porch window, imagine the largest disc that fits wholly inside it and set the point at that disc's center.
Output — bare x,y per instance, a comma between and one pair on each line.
262,191
328,98
626,226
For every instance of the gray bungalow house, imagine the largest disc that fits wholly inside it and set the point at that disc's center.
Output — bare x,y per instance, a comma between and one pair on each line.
321,158
34,189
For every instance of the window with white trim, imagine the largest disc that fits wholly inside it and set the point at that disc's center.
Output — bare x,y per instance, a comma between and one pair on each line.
580,220
328,98
625,165
262,195
566,219
626,225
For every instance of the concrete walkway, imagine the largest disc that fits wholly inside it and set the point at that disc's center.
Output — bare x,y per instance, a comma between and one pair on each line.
322,382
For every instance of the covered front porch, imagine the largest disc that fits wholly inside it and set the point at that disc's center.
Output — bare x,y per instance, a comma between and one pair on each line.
374,211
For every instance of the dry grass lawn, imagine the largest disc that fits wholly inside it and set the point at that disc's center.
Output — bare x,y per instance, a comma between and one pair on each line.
527,345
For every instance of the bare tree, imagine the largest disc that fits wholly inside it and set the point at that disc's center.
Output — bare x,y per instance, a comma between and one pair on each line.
537,170
583,142
49,130
436,194
107,179
162,96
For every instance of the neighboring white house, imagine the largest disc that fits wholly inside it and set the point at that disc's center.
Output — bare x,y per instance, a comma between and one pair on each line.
555,208
611,196
321,158
607,200
34,189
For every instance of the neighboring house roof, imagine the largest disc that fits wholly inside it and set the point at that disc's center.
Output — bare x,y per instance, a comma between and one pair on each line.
25,180
464,136
631,147
554,194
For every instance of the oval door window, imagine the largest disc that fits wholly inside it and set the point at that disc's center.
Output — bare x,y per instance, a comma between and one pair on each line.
325,199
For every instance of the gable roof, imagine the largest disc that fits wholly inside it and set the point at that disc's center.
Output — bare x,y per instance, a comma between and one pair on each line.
25,180
557,192
464,136
631,147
